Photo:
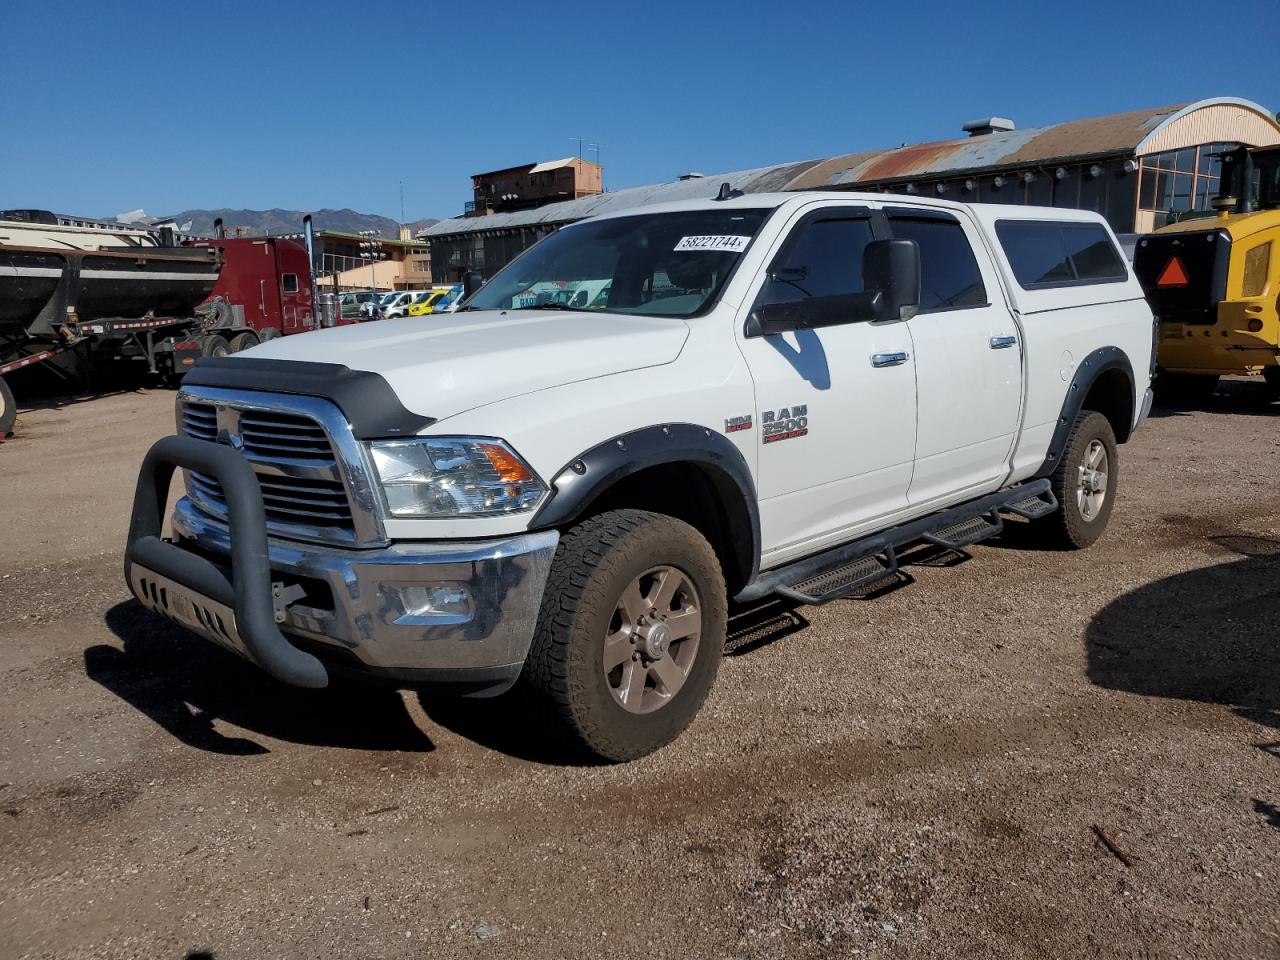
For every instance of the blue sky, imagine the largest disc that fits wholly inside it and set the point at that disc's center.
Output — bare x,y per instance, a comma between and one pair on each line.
309,105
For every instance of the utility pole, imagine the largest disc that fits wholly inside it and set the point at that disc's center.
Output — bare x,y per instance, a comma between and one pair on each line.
597,147
371,250
401,203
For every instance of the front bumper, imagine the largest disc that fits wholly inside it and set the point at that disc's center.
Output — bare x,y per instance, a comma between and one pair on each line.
343,609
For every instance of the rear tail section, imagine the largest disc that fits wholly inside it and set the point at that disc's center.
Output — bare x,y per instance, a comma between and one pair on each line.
1184,275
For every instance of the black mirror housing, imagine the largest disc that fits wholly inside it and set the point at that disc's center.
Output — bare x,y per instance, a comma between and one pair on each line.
470,283
892,268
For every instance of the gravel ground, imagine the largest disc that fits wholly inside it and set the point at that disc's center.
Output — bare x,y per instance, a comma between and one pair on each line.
927,773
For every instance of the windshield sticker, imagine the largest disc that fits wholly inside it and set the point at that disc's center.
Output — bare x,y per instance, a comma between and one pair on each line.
729,244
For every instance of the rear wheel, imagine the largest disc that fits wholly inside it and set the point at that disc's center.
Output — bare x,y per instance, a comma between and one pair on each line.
243,341
630,633
215,345
8,409
1185,387
1084,483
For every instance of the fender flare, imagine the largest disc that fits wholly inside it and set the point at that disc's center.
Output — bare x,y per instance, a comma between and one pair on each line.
584,478
1087,373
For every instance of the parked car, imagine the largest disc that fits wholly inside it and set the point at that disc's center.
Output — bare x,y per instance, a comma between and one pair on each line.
780,394
439,300
352,301
370,310
399,306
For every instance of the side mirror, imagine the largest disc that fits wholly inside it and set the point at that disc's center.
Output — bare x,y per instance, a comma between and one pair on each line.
471,282
892,267
891,282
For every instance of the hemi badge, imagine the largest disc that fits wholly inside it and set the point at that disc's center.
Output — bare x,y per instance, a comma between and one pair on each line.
734,424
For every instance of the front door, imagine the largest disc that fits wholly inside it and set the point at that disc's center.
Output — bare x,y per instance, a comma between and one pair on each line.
968,361
835,410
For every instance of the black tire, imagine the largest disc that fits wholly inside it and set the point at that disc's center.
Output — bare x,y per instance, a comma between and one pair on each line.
215,345
270,333
1185,388
1272,377
565,671
243,341
1069,528
8,409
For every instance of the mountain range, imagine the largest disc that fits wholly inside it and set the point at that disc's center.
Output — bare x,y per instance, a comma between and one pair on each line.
271,222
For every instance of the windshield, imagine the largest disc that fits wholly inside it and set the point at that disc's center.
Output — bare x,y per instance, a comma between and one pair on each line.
667,264
387,298
1267,169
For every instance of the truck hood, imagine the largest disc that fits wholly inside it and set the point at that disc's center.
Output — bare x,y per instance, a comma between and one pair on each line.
443,364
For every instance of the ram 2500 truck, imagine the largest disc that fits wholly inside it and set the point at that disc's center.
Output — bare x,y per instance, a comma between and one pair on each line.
776,395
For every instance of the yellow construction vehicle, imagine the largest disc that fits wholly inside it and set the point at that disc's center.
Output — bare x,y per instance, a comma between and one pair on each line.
1214,283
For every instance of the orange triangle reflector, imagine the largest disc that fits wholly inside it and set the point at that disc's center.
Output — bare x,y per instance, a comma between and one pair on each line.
1173,274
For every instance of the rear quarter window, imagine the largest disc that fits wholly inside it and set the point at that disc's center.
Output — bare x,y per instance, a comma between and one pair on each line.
1045,253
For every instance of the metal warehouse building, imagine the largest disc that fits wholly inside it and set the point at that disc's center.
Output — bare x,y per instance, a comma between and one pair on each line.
1138,169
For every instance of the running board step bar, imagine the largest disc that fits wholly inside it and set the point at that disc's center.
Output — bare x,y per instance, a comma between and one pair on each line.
842,581
863,563
1033,508
958,535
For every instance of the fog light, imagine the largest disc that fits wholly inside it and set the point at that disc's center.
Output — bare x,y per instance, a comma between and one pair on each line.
426,603
1255,325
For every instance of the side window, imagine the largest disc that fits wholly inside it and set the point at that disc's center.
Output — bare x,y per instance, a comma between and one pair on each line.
290,282
822,259
1047,253
1092,252
949,275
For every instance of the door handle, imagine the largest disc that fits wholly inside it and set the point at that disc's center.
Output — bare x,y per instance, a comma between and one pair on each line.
889,359
1000,343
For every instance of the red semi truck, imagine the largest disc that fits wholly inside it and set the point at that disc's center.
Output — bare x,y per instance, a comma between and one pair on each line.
49,313
263,292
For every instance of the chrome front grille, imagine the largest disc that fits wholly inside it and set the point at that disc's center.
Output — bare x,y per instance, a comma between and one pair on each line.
314,480
283,435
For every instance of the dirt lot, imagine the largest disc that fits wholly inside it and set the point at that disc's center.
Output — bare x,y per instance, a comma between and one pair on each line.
916,775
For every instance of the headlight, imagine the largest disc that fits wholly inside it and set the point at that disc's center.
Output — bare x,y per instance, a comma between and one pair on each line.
454,476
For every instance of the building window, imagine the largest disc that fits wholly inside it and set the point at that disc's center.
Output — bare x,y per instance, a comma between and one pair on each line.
1178,181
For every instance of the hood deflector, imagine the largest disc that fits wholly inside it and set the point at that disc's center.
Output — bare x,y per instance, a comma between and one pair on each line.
368,402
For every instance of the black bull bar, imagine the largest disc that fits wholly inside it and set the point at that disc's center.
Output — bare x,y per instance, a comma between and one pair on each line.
248,593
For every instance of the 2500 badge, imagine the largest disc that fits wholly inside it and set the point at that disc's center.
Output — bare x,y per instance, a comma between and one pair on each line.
785,423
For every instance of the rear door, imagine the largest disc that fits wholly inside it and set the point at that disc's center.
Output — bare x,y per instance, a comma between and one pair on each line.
968,359
835,409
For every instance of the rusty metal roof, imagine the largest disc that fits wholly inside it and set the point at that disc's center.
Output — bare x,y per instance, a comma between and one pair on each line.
1075,139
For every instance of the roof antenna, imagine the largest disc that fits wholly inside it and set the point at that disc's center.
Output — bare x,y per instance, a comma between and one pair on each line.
727,192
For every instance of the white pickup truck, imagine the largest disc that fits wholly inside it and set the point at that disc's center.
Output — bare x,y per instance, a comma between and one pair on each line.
772,396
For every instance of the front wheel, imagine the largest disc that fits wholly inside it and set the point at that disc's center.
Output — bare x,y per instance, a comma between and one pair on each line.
8,410
630,633
1085,483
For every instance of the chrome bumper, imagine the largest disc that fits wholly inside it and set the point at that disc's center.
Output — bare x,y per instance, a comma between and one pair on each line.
371,626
